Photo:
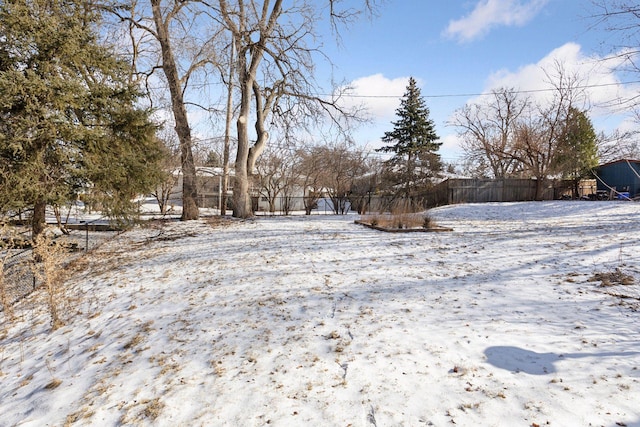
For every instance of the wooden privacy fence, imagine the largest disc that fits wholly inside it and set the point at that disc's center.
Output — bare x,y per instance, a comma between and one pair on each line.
479,190
454,191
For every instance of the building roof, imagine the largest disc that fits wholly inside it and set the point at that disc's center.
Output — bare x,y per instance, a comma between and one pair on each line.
619,161
207,171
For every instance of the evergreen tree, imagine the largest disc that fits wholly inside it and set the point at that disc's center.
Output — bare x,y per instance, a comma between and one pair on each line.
68,120
413,141
577,152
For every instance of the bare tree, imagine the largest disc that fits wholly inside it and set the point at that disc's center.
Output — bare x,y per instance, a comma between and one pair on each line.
169,24
310,170
227,128
539,136
488,130
364,187
339,167
251,28
514,135
274,66
277,173
272,48
171,164
618,145
170,68
621,19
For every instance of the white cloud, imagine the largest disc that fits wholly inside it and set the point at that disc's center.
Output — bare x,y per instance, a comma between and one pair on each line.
491,13
532,77
450,149
601,84
378,94
605,92
380,97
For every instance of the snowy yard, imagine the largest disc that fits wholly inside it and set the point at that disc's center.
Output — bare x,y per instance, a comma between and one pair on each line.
317,321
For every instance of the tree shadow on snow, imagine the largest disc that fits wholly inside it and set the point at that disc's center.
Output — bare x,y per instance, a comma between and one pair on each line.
517,360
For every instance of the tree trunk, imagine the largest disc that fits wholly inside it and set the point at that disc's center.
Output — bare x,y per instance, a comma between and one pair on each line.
225,178
38,221
227,132
189,189
249,57
242,200
262,135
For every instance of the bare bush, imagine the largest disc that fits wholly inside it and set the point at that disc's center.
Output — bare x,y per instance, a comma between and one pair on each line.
6,245
48,257
404,214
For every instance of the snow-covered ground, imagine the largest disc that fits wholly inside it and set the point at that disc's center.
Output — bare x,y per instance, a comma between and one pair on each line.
317,321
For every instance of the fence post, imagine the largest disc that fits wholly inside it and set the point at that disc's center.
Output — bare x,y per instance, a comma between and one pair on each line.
86,236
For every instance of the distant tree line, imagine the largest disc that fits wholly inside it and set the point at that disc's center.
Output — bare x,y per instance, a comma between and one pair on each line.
508,134
347,175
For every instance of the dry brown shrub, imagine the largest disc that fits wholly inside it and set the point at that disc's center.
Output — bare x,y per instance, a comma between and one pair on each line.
7,244
152,409
613,278
404,214
219,222
49,256
55,381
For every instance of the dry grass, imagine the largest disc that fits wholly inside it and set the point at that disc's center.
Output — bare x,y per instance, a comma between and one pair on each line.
613,278
7,243
5,302
141,412
83,414
403,214
219,222
134,342
55,381
152,408
621,285
48,259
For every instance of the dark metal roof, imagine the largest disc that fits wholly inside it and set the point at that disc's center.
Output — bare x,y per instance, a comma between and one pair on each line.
619,161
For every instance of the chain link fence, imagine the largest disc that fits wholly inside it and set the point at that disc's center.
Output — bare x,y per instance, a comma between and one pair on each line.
298,206
17,258
275,205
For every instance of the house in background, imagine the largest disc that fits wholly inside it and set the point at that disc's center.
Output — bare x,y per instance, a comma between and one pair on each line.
292,201
209,185
620,178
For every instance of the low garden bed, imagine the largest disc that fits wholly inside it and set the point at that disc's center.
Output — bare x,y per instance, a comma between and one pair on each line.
435,228
401,223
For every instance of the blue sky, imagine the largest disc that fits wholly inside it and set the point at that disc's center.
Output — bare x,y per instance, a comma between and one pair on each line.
469,47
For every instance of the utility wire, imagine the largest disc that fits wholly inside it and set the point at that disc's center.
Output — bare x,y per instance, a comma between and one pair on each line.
449,95
452,95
